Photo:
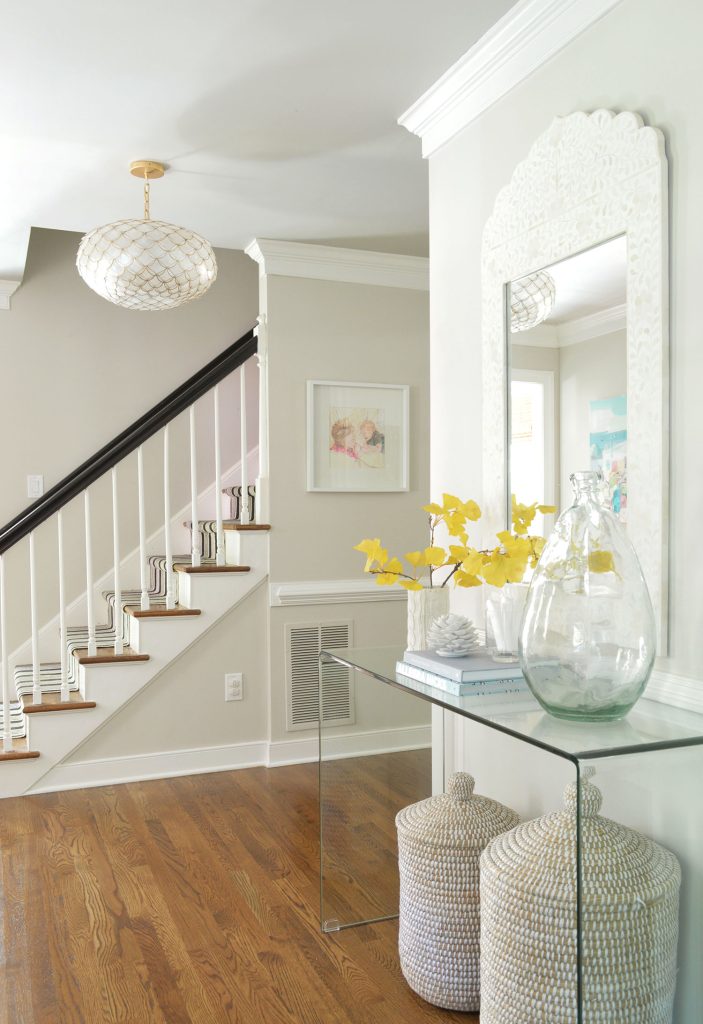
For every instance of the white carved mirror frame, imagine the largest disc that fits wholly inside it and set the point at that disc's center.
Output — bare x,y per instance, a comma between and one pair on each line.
587,179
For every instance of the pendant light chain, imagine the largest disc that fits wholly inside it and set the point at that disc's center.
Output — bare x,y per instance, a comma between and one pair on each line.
147,188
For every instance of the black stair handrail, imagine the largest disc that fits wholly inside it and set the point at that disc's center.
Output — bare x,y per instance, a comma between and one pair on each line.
130,439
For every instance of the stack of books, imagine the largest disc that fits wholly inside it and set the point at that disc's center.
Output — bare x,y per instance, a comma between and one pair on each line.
474,675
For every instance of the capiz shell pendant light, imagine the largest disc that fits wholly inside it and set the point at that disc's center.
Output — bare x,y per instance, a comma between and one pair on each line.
146,264
531,300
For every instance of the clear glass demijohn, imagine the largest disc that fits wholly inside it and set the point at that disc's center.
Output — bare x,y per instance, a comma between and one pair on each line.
587,640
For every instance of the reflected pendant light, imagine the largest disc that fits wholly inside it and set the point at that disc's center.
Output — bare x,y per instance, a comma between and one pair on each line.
531,300
146,264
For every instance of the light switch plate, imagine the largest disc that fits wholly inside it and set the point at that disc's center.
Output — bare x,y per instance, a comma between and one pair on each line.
35,486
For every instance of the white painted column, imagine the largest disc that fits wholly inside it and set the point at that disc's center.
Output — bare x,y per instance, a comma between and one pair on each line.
143,570
65,692
6,700
262,481
170,574
194,533
244,503
118,623
92,646
36,666
220,559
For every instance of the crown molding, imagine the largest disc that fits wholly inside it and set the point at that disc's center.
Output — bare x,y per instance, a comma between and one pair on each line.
595,325
525,38
331,263
332,592
7,290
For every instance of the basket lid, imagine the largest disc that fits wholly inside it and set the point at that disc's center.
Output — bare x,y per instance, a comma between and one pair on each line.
619,865
458,818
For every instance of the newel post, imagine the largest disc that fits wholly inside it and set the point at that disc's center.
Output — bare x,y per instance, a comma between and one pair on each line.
262,480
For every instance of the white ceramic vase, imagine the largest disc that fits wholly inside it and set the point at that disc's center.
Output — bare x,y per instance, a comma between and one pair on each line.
424,606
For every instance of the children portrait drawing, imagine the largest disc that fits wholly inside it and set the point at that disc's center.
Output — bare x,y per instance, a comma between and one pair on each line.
357,437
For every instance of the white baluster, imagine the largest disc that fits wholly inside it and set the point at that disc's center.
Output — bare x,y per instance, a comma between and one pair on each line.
194,532
170,574
218,480
244,504
262,481
118,617
143,573
92,646
36,667
65,693
6,702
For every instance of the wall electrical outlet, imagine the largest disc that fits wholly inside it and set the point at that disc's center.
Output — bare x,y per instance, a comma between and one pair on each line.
234,686
35,486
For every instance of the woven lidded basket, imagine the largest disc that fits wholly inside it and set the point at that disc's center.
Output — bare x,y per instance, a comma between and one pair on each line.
630,908
439,844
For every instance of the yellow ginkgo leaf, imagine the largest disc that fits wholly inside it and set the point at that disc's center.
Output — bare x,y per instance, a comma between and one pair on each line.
472,561
466,579
374,552
601,561
415,558
386,579
435,556
546,510
411,584
395,565
458,552
433,508
450,501
471,510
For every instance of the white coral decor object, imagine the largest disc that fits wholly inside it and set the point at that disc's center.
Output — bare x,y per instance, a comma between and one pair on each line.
451,636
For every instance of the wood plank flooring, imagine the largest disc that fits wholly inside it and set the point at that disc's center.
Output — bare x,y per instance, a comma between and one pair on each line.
195,900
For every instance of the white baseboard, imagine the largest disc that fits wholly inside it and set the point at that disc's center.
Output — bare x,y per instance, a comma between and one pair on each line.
353,744
113,771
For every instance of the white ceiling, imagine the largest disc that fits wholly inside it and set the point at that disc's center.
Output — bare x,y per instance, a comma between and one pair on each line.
590,282
277,119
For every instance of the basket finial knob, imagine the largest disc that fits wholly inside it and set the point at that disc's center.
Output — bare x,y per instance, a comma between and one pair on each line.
461,786
591,796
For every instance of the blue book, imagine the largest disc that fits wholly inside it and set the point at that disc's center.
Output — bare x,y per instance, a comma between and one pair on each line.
477,667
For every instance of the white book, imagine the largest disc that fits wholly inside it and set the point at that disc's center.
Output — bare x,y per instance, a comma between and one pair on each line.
478,667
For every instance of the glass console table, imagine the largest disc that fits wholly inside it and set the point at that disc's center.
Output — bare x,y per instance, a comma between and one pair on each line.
649,768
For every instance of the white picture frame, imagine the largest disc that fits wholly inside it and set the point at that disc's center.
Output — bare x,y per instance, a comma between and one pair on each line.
357,436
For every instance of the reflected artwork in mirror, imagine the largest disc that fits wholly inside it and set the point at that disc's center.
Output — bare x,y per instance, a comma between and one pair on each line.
568,380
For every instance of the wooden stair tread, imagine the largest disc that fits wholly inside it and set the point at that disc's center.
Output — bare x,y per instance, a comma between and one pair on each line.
107,656
211,568
53,702
159,613
246,526
19,751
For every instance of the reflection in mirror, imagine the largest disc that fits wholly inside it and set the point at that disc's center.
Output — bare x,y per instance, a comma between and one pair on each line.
567,359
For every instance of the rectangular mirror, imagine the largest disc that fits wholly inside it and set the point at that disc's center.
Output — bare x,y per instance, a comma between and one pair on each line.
567,365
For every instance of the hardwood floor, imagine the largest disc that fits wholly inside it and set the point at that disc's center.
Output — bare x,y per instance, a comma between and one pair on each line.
195,901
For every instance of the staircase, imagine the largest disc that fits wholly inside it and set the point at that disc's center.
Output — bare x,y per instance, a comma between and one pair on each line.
50,706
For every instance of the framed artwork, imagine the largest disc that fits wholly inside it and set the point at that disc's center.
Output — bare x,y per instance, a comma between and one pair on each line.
357,436
608,441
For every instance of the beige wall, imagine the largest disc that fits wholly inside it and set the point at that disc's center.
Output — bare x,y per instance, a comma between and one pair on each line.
184,708
326,330
638,57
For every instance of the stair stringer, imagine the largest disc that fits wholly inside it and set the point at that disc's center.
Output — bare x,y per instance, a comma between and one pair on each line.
57,735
